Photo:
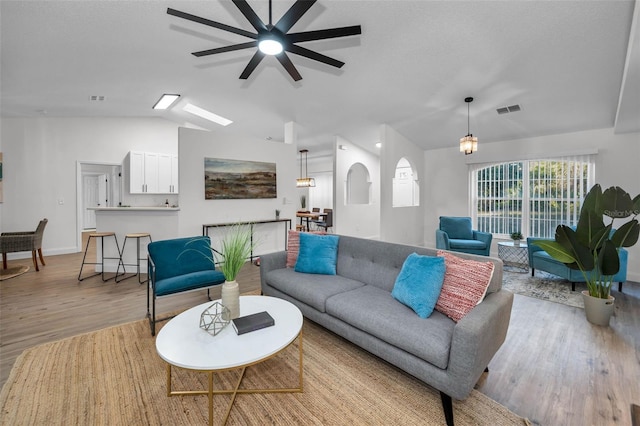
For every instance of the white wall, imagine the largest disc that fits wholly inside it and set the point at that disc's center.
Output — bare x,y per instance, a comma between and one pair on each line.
362,220
40,158
195,145
400,224
446,172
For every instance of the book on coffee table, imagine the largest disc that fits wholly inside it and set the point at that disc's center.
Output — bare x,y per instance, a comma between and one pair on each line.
252,322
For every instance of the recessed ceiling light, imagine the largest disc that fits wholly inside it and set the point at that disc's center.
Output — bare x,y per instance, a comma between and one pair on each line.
378,145
207,115
165,101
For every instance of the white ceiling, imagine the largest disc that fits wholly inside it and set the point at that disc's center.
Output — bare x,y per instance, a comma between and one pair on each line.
563,62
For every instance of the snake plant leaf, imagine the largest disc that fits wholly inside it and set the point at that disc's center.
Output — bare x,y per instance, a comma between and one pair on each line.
627,235
617,203
608,259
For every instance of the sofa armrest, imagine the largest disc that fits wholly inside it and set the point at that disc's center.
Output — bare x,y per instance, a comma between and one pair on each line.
476,339
485,237
532,247
442,240
270,262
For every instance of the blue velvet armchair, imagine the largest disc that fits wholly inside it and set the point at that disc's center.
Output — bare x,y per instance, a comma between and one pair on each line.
179,265
542,261
455,234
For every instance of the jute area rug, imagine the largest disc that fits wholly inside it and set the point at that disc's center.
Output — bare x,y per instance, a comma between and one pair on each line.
544,286
115,377
12,272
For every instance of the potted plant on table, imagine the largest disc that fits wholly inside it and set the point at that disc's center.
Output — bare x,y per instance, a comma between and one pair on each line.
516,237
593,246
236,246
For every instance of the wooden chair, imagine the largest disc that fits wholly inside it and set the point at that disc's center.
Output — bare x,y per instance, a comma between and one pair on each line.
11,242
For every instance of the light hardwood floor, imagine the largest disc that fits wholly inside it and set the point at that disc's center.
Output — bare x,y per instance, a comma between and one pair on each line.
554,368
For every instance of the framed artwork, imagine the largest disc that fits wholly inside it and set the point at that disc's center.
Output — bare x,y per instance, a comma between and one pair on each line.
238,179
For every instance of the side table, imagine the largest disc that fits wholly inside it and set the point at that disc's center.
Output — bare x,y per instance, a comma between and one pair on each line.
514,257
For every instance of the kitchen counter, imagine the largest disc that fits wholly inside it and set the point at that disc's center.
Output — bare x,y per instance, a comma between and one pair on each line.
160,222
134,209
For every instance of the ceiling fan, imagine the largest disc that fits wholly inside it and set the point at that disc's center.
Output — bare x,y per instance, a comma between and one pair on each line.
273,39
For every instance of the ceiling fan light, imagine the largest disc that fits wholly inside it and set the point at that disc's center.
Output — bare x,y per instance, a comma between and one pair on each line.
270,46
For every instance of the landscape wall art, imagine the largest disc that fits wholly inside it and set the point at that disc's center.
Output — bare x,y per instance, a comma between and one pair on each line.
237,179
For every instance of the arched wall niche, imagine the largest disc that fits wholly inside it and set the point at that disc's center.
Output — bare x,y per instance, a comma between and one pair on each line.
358,185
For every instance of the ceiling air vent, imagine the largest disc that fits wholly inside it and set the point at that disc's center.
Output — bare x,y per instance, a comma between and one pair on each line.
96,98
508,109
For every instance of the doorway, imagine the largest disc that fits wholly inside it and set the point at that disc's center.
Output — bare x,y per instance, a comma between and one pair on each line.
98,185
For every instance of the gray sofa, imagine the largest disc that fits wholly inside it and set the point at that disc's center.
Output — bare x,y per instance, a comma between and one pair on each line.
357,305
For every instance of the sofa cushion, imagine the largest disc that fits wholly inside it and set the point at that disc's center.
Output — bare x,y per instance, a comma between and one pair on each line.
467,244
419,283
457,227
374,311
186,282
465,284
293,246
318,254
311,289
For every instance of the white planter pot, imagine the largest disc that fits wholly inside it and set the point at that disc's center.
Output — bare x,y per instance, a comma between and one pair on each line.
598,310
516,243
231,299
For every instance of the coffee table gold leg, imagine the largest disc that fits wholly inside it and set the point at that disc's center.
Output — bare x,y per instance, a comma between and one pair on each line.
300,355
211,399
233,396
168,379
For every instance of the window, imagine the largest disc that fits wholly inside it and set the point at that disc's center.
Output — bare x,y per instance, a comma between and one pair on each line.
532,196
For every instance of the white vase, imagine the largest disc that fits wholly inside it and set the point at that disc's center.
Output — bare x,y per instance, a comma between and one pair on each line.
231,299
516,243
598,310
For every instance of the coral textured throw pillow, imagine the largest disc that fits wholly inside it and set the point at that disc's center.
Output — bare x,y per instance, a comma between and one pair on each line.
293,246
419,282
465,284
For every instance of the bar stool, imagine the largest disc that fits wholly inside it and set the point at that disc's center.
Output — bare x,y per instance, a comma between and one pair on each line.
137,236
102,236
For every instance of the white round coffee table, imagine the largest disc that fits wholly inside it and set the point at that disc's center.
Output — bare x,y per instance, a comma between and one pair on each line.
182,343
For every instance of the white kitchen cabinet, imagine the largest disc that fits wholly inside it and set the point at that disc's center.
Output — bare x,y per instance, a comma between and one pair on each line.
168,173
153,173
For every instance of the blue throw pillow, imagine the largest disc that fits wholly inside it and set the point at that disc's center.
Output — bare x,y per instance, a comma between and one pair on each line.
419,283
318,254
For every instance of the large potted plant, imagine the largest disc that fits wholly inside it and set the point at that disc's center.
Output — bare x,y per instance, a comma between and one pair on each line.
236,246
593,246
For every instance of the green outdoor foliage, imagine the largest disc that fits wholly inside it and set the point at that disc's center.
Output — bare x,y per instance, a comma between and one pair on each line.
236,247
593,247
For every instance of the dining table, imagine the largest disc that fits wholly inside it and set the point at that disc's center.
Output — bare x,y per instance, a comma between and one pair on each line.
308,216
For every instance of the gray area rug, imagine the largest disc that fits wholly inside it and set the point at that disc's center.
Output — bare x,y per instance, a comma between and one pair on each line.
544,286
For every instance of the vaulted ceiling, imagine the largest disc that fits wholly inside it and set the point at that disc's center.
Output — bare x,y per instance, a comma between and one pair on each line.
567,64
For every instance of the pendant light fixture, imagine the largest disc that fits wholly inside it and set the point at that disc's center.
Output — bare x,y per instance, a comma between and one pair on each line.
469,143
304,181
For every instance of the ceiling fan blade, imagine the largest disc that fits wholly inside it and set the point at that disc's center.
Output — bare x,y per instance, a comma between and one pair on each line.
231,48
294,13
210,23
314,55
288,65
253,63
251,16
324,34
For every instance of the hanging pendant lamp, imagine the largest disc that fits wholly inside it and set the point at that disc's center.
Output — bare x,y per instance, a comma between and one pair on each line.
469,143
304,181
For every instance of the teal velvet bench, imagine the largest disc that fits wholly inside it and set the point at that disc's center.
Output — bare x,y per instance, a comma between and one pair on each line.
176,266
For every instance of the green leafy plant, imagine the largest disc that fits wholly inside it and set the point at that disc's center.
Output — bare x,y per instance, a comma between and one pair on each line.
516,235
277,213
593,246
236,247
